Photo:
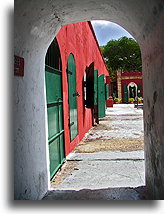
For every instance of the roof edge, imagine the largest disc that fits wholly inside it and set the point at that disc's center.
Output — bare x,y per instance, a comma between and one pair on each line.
94,35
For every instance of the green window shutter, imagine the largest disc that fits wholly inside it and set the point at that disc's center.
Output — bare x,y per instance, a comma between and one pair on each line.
101,96
96,96
106,91
125,93
71,71
139,90
55,120
95,87
54,94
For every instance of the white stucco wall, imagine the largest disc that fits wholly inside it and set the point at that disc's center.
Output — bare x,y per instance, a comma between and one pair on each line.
36,24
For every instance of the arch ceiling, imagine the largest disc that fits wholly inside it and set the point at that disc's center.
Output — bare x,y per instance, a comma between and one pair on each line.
41,19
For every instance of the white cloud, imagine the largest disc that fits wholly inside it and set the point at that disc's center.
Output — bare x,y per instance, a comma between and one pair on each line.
106,31
101,22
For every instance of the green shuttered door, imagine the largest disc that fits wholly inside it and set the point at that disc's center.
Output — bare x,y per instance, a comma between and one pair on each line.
95,87
71,70
53,78
106,91
101,96
125,93
55,119
96,96
139,90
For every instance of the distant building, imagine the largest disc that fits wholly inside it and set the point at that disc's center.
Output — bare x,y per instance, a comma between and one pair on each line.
127,85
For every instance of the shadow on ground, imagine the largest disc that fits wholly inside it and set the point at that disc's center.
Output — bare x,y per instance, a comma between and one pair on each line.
121,193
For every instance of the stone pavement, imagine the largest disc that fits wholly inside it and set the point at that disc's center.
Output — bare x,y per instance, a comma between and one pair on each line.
107,175
124,109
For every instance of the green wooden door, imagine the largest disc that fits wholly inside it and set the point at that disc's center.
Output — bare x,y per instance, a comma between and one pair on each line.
96,96
101,96
125,93
95,87
139,90
54,97
71,71
55,119
106,91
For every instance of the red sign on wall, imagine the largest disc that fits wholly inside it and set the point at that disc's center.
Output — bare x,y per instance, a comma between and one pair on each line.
18,66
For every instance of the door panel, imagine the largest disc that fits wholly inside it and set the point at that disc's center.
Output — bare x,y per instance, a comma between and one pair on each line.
125,93
55,119
106,91
53,87
95,87
71,70
54,156
53,78
96,96
139,90
62,148
101,96
53,123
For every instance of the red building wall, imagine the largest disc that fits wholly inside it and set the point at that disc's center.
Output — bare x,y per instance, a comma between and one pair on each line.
78,39
131,73
132,76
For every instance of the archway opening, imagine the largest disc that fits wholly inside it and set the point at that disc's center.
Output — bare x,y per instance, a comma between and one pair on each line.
88,73
132,90
36,24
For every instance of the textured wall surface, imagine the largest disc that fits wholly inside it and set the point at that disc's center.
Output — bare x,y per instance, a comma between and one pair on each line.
36,23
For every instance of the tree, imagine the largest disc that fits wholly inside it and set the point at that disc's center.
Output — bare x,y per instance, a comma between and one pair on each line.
123,54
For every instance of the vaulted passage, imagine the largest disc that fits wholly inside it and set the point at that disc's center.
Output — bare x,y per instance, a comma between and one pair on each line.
36,25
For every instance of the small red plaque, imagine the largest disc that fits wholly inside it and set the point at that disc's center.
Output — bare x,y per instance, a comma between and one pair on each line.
18,66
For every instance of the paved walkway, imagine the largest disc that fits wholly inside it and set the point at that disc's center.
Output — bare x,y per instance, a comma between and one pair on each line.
106,175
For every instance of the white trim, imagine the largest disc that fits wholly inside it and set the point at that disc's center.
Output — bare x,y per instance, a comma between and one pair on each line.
132,84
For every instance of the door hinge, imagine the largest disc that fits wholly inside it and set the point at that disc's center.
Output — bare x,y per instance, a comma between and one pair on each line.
71,124
76,94
69,72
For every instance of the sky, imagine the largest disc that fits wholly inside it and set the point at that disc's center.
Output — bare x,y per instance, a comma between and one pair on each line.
106,31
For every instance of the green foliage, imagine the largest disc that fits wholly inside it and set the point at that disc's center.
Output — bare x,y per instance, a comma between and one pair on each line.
140,99
102,48
131,99
116,99
123,54
112,74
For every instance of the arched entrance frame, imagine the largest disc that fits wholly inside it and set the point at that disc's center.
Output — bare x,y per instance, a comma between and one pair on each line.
36,24
131,84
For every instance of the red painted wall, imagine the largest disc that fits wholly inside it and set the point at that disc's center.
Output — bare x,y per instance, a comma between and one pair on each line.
78,39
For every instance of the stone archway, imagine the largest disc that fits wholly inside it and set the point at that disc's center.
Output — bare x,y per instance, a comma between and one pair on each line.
36,24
